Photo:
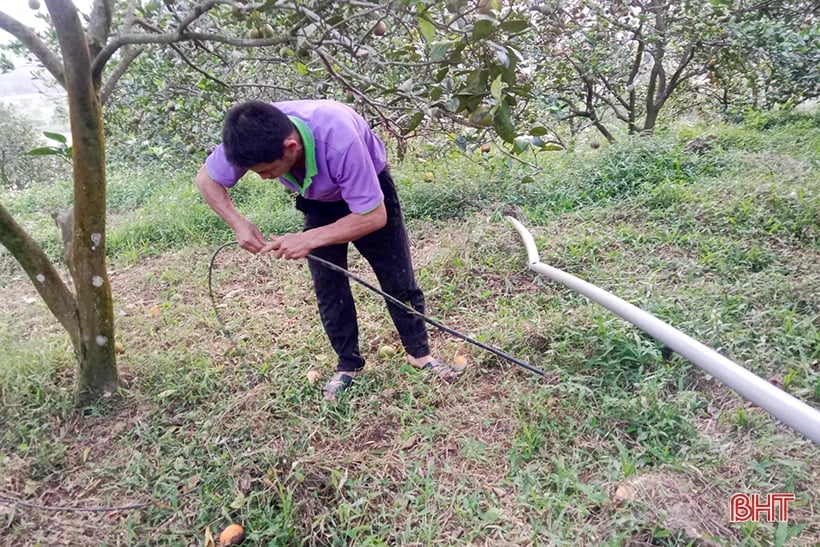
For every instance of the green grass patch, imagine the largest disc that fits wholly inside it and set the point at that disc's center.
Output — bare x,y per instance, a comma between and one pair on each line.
619,444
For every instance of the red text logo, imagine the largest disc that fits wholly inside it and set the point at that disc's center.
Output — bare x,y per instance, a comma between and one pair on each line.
773,507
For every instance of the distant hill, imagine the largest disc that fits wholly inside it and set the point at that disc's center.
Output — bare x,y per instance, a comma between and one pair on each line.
34,98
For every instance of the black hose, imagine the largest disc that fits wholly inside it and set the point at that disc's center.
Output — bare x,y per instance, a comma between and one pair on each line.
222,326
383,294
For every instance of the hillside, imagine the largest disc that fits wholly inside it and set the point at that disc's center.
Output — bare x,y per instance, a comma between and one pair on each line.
620,444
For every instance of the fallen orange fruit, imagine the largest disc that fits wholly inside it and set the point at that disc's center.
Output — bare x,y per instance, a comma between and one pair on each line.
233,534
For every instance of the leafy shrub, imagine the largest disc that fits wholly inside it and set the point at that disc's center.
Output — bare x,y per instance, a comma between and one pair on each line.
637,164
18,169
439,201
780,117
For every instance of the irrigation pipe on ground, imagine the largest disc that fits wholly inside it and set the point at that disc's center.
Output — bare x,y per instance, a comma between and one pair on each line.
786,408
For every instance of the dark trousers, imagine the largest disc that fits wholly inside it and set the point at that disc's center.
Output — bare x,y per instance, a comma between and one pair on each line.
388,252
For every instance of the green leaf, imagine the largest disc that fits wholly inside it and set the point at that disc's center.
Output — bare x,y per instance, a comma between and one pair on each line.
502,121
301,69
520,144
496,88
552,147
538,131
238,501
414,123
483,28
428,29
515,25
55,136
439,50
461,142
43,152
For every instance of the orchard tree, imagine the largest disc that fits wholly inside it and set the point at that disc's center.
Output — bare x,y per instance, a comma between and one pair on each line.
773,57
620,62
403,60
399,63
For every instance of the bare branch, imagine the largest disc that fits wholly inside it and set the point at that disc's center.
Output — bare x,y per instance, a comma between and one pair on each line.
99,27
129,55
612,91
29,38
326,59
263,86
173,38
615,110
677,76
196,68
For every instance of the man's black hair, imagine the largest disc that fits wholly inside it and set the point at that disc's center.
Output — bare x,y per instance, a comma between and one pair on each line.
254,132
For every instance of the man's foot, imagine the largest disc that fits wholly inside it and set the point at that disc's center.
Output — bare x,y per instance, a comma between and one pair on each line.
443,370
337,383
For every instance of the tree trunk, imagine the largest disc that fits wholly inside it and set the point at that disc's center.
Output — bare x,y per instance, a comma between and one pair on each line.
97,374
652,111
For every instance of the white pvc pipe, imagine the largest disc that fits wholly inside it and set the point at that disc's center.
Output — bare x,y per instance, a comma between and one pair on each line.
786,408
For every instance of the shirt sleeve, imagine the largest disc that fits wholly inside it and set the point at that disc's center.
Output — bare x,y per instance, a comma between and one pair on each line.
357,179
221,170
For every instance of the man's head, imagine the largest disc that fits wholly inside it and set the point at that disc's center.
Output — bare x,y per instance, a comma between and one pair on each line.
260,137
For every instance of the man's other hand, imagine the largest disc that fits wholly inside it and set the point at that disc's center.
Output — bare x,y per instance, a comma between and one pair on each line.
291,246
249,237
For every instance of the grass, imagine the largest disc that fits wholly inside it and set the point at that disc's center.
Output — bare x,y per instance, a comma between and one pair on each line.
619,444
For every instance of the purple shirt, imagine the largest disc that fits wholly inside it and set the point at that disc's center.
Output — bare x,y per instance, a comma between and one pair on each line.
346,156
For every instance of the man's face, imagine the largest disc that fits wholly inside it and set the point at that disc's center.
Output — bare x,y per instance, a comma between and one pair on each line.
292,153
273,169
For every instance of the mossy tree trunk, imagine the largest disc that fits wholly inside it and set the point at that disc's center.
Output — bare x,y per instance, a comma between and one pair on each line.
95,347
87,314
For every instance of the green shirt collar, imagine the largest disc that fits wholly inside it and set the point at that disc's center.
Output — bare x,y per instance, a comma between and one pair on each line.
310,155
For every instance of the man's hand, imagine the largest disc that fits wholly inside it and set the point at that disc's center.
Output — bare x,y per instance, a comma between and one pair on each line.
348,228
291,246
249,236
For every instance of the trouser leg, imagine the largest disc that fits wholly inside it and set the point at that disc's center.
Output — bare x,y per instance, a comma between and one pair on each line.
333,296
388,252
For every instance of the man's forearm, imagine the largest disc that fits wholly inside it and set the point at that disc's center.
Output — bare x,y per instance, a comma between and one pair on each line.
216,196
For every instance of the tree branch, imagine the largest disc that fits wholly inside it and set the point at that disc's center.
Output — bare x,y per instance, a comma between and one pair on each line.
172,38
41,271
676,77
196,68
129,55
99,27
323,55
29,38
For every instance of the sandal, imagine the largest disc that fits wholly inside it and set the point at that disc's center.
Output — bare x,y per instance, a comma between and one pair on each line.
337,383
444,371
